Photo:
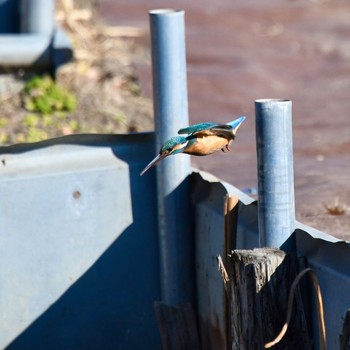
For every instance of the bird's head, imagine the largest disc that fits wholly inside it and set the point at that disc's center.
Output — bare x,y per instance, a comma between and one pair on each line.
174,145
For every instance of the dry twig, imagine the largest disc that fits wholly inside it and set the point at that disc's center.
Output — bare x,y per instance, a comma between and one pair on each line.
320,313
222,269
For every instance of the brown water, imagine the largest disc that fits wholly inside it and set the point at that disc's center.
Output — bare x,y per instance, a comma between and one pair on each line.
240,51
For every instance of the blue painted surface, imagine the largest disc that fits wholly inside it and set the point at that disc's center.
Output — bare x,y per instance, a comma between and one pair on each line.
80,266
210,242
171,114
274,144
79,247
9,16
37,16
25,50
27,16
29,36
326,255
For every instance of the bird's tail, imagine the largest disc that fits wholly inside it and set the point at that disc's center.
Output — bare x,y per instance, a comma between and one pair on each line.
236,123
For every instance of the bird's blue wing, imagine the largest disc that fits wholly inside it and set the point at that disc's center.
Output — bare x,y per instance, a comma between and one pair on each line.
210,128
196,127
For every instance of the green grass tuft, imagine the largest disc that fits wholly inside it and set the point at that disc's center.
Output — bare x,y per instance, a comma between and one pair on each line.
43,95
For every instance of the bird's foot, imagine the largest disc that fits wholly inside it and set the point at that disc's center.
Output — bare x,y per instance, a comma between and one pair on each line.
226,148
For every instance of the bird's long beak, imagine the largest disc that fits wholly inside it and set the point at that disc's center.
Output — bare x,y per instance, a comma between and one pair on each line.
155,161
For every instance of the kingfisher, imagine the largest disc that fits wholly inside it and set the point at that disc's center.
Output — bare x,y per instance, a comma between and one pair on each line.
199,140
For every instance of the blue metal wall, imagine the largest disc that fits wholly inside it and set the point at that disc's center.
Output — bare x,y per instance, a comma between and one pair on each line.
327,256
78,244
79,247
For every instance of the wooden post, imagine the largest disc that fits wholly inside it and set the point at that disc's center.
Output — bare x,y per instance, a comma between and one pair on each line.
260,281
177,326
345,337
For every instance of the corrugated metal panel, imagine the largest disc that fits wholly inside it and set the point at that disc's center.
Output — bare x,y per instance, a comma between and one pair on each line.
330,259
80,260
77,245
209,195
208,201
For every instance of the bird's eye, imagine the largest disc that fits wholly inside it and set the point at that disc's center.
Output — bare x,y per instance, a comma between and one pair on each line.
169,149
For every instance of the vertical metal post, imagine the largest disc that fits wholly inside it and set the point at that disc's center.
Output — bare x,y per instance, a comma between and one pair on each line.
37,16
171,113
274,145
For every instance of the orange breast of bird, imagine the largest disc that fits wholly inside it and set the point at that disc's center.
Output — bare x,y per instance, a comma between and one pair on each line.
203,146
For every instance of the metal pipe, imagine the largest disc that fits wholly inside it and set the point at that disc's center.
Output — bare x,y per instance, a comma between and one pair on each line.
24,50
9,17
274,146
35,50
40,44
171,113
37,16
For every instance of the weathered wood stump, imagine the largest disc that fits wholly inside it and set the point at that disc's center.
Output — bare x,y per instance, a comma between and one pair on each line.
260,281
177,326
345,337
